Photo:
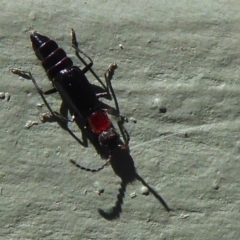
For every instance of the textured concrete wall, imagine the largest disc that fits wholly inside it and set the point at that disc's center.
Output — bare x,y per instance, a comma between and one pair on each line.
178,76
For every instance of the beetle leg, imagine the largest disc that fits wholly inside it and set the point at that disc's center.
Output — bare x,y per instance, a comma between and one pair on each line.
88,66
29,76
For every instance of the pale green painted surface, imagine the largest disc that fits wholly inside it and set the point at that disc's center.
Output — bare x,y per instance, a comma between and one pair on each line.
182,55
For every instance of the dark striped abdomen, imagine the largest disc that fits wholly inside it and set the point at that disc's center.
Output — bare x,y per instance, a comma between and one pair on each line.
53,58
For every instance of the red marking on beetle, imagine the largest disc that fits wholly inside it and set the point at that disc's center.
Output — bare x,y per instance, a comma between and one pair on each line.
99,122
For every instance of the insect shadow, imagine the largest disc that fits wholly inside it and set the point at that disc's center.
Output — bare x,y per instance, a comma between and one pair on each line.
123,165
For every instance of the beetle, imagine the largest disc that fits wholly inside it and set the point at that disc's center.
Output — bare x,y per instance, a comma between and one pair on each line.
76,91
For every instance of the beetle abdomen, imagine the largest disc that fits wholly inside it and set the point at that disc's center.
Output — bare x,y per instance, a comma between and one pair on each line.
54,59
